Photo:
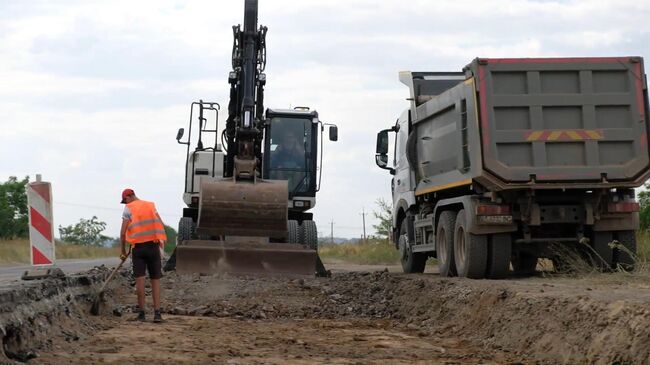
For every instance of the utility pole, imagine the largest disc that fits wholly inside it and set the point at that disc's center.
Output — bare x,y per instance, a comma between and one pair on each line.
332,231
363,214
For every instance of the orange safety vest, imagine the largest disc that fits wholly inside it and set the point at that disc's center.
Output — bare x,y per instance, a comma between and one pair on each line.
145,225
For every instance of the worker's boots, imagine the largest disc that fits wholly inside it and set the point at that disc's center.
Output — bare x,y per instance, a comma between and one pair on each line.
140,316
157,317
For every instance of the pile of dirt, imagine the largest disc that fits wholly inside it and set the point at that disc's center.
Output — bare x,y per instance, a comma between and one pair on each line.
35,316
537,320
543,319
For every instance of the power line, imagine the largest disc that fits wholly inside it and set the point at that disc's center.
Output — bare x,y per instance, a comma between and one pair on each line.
363,214
102,208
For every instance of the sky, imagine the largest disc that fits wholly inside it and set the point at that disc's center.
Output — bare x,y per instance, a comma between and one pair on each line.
93,92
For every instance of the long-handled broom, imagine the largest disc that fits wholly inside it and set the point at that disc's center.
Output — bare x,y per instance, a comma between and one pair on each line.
99,296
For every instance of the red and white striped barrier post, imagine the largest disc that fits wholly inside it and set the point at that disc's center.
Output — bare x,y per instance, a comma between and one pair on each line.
41,227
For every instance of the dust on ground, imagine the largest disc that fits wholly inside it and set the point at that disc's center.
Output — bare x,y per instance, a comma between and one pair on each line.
371,317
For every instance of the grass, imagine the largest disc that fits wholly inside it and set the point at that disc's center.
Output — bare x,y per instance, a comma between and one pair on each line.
380,252
374,252
577,266
17,251
643,246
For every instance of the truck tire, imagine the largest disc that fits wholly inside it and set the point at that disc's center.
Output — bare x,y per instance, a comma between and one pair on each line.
186,229
293,231
499,252
445,244
524,264
470,250
602,256
412,262
625,258
309,234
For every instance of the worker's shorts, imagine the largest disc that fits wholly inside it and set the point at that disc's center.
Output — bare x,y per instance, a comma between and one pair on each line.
146,255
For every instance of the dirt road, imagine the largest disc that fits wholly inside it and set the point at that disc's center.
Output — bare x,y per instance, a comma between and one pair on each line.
369,317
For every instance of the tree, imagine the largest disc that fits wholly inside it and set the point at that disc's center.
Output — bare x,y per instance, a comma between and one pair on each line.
14,220
171,239
87,232
385,216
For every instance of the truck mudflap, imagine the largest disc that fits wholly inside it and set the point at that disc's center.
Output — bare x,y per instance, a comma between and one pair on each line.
242,256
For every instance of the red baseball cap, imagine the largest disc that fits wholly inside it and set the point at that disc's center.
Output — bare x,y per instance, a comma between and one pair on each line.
125,193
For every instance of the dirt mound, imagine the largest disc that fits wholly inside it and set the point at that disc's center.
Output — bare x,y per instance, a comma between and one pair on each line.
547,320
535,320
35,316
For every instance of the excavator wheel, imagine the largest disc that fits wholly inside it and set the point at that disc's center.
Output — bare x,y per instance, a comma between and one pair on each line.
186,227
309,234
293,231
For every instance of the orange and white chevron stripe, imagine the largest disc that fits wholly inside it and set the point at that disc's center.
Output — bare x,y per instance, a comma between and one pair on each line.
41,228
564,135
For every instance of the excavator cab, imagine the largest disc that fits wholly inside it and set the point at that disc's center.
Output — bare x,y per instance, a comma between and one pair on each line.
270,230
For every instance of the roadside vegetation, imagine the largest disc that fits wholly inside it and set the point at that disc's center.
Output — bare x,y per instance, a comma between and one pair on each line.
376,251
17,251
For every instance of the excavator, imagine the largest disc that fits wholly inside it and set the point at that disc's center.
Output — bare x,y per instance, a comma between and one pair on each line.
249,192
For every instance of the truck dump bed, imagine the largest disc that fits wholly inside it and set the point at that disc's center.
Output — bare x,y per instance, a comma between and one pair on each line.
538,122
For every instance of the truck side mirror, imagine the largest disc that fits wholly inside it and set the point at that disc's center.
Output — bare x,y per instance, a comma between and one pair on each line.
334,133
382,143
180,133
381,160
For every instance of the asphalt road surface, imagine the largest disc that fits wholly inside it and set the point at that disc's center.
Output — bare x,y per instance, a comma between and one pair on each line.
11,273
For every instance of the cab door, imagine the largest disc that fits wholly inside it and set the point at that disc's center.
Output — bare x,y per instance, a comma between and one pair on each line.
403,183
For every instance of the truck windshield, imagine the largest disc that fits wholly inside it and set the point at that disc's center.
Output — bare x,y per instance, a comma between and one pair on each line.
290,143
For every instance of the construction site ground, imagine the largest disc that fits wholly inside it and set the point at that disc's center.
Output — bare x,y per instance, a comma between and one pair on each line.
361,315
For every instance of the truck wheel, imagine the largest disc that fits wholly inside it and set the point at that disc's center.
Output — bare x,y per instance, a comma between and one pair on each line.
602,255
470,250
293,231
412,262
625,257
186,229
499,252
309,234
524,263
445,243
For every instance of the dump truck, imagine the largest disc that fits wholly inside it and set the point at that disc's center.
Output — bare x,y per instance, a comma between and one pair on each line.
512,160
249,187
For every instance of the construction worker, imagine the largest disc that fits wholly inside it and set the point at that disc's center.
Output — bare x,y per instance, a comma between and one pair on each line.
290,152
143,229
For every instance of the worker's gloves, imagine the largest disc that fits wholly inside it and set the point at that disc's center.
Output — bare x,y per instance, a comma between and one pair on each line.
123,257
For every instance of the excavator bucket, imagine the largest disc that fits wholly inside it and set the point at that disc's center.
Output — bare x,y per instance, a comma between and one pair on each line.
239,208
241,218
245,258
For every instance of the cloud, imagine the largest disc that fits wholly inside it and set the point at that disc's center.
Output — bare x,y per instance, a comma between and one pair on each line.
92,93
